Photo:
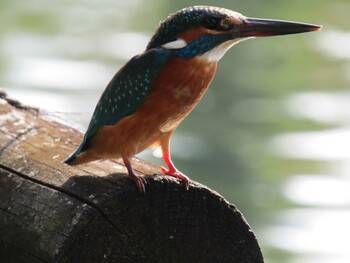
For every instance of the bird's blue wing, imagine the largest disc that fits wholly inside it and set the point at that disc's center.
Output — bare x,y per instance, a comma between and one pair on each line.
124,93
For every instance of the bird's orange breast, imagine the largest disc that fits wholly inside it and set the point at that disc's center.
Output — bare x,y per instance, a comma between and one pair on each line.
176,90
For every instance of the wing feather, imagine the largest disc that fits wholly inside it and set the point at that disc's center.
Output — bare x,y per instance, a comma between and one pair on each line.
124,93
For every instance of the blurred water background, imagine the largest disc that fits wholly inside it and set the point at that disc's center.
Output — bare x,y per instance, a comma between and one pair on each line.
272,135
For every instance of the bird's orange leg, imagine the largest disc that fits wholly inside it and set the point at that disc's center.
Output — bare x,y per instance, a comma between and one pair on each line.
172,171
140,181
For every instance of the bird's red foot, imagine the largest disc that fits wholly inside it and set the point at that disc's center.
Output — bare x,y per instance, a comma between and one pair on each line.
177,174
140,182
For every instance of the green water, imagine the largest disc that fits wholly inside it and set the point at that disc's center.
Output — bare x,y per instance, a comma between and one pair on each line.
271,135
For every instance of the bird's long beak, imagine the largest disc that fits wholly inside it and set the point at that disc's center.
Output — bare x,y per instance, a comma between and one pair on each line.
256,27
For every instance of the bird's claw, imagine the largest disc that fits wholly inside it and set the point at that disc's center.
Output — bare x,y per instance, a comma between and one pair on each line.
176,174
140,183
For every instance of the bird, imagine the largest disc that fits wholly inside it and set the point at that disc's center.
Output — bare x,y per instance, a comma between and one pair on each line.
155,90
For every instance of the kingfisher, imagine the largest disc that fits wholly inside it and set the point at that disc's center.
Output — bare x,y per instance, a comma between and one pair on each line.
154,91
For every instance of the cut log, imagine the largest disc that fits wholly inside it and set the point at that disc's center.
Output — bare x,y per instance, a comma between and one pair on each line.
51,212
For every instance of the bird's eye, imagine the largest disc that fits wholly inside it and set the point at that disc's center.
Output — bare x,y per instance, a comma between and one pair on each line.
211,22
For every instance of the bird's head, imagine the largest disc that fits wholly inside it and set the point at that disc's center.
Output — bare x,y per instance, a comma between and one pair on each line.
210,31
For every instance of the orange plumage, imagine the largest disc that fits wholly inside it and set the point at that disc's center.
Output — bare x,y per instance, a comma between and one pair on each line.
176,91
149,97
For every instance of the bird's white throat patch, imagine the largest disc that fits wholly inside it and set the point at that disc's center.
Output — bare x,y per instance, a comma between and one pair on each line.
215,54
176,44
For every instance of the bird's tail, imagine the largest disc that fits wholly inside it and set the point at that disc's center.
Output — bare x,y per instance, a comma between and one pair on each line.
75,158
70,159
81,156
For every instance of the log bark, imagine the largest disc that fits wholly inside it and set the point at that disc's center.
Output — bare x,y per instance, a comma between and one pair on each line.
51,212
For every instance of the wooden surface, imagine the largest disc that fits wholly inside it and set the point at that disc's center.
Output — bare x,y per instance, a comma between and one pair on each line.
51,212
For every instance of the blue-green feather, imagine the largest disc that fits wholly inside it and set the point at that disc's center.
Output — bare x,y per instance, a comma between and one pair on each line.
124,93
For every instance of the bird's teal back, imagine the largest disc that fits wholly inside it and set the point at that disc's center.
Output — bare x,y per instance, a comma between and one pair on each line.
125,91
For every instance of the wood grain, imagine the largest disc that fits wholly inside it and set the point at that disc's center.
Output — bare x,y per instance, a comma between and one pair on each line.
51,212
